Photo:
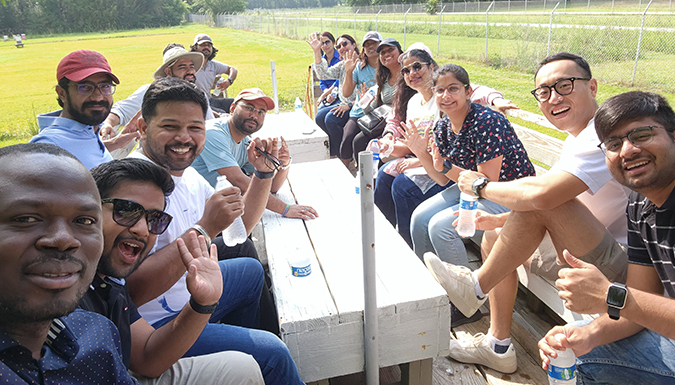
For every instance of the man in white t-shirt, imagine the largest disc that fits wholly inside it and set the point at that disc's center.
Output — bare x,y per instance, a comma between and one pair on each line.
577,199
172,135
212,68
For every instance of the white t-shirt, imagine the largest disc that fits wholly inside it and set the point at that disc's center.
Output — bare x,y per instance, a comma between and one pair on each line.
605,198
186,205
207,75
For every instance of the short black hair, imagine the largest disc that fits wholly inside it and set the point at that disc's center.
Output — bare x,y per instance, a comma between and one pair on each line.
631,106
581,62
214,51
63,83
171,89
35,148
110,174
329,36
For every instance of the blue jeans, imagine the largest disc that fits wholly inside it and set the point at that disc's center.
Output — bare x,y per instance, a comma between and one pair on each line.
397,197
332,125
432,230
242,283
643,358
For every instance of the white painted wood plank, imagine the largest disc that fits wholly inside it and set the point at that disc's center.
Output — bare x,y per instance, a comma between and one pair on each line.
540,147
531,117
306,141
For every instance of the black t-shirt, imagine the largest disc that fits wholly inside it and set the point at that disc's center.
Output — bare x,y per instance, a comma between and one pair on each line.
651,237
110,298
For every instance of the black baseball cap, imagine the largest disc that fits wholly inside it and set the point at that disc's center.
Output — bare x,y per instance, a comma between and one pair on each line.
390,41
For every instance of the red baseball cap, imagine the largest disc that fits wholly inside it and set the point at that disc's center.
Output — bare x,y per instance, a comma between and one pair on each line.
255,94
81,64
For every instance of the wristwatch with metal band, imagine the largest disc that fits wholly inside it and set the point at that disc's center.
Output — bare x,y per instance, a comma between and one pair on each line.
479,184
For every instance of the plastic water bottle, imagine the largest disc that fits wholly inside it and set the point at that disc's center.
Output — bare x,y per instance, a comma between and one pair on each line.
374,147
334,93
298,104
301,266
466,227
368,97
236,232
217,91
563,369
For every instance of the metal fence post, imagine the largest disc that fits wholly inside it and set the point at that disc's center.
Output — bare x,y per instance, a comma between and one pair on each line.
357,11
545,8
508,9
639,5
589,6
322,21
405,24
336,23
550,29
637,53
307,25
612,6
486,30
440,20
376,19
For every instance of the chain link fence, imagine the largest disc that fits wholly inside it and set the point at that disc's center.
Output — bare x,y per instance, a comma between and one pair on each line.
623,47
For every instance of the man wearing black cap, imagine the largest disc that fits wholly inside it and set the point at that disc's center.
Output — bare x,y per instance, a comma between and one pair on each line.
212,68
85,88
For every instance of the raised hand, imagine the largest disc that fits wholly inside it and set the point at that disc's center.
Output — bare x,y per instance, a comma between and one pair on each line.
125,136
314,42
437,157
350,60
411,138
258,159
204,279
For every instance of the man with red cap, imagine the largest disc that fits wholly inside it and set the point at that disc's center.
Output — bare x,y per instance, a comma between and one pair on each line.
85,88
225,150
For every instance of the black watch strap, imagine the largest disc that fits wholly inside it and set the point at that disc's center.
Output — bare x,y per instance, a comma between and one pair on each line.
613,312
201,309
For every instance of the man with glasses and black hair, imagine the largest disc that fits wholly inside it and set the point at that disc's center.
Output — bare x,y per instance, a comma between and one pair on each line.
84,91
573,206
133,196
172,135
635,341
227,141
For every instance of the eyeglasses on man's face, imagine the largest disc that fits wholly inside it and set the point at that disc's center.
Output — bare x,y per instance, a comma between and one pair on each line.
87,89
563,87
260,112
127,213
452,89
638,137
415,67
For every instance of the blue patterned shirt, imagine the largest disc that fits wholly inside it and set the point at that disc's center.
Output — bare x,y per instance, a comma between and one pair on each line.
485,135
81,348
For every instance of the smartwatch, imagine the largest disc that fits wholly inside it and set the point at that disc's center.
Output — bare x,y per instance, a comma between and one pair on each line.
447,166
201,309
616,299
479,184
230,80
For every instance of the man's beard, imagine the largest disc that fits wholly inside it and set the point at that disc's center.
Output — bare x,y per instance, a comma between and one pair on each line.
96,117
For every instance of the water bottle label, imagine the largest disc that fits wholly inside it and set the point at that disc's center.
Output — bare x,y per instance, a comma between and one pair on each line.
468,205
301,271
376,157
563,374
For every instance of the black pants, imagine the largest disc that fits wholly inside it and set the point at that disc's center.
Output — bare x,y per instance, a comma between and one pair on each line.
220,105
269,319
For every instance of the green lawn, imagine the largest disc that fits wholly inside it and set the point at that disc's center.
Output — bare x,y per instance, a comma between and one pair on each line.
30,73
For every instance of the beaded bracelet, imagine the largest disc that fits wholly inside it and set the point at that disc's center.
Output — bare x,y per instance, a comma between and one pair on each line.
286,211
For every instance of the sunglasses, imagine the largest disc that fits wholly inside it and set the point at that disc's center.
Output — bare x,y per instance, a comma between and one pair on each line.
416,66
127,213
343,44
326,42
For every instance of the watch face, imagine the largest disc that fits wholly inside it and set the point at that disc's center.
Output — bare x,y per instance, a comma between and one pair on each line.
616,296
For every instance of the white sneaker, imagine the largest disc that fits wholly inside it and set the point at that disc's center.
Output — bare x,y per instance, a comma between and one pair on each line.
457,281
477,350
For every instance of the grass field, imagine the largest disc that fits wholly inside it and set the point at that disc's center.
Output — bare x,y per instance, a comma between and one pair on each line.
30,73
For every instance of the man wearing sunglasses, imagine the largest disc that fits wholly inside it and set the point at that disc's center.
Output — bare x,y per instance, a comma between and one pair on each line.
573,206
634,342
172,135
133,196
226,146
84,91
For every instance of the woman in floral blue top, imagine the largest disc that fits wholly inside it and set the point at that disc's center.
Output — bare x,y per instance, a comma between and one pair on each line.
468,137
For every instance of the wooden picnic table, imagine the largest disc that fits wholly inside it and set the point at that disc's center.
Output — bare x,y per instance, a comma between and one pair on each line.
321,316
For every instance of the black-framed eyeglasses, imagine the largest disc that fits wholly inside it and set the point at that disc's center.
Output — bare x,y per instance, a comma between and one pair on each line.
127,213
271,161
561,86
452,89
343,44
326,42
638,137
260,112
87,89
416,66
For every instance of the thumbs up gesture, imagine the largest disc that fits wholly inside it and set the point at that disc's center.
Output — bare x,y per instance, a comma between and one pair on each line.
582,286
